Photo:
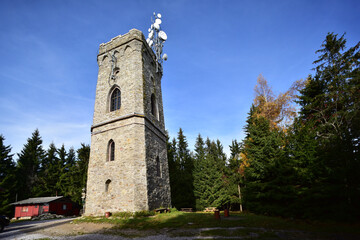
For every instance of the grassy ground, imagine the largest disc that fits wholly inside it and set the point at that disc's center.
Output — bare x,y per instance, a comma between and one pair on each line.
238,224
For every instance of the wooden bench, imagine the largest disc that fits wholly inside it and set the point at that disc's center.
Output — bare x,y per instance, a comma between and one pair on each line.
162,210
210,209
186,209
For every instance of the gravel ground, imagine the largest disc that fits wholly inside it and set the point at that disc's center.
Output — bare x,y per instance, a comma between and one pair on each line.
93,231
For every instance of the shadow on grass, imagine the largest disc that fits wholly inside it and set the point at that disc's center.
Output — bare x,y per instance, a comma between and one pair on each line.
205,223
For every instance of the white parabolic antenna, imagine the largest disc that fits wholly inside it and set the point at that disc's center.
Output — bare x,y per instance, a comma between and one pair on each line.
162,35
165,56
158,21
159,15
156,26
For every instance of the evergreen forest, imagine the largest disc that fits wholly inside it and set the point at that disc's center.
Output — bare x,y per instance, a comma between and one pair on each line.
300,156
40,173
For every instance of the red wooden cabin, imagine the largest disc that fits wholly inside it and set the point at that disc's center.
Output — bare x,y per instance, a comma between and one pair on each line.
36,206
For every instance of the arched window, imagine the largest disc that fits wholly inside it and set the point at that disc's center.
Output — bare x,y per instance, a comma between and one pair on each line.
111,151
107,185
158,167
154,107
115,100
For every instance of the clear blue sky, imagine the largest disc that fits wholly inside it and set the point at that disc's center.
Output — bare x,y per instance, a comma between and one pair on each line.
216,49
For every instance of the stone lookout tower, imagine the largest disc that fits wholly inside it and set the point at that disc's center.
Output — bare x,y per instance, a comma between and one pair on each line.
128,168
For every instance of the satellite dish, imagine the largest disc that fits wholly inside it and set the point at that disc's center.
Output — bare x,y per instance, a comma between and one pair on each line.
162,35
159,15
158,21
165,56
156,26
151,34
149,29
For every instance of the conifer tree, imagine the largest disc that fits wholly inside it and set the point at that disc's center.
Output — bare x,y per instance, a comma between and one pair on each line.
215,193
199,173
65,184
7,178
79,171
174,172
330,103
49,174
235,178
262,148
28,166
186,189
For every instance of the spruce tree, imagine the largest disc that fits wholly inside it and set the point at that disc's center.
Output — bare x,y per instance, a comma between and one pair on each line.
215,194
65,184
330,103
7,179
186,196
235,178
28,166
174,171
199,174
79,172
49,174
262,148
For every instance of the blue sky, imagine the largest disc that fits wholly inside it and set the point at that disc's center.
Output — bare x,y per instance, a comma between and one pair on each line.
216,49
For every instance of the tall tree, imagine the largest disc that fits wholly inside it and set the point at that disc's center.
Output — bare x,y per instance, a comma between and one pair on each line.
199,173
80,170
174,171
49,174
263,147
186,197
7,178
234,173
279,110
330,103
65,184
28,166
215,193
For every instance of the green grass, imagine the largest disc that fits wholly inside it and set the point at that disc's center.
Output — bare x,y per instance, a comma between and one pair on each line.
182,220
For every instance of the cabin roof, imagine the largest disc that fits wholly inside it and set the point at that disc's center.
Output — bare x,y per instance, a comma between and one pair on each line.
37,200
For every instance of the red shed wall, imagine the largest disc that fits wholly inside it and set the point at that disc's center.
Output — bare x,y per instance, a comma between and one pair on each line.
58,208
26,211
52,207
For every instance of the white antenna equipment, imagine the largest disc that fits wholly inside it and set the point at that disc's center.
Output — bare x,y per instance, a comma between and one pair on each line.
156,38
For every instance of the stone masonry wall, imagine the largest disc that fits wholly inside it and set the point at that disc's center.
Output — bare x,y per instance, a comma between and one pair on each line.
139,136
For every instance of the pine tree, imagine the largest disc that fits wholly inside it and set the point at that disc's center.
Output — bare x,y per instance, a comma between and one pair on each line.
28,166
7,178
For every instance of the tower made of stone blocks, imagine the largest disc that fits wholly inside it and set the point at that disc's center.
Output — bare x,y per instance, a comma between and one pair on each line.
128,168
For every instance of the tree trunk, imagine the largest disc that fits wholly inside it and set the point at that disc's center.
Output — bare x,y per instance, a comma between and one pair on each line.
241,209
